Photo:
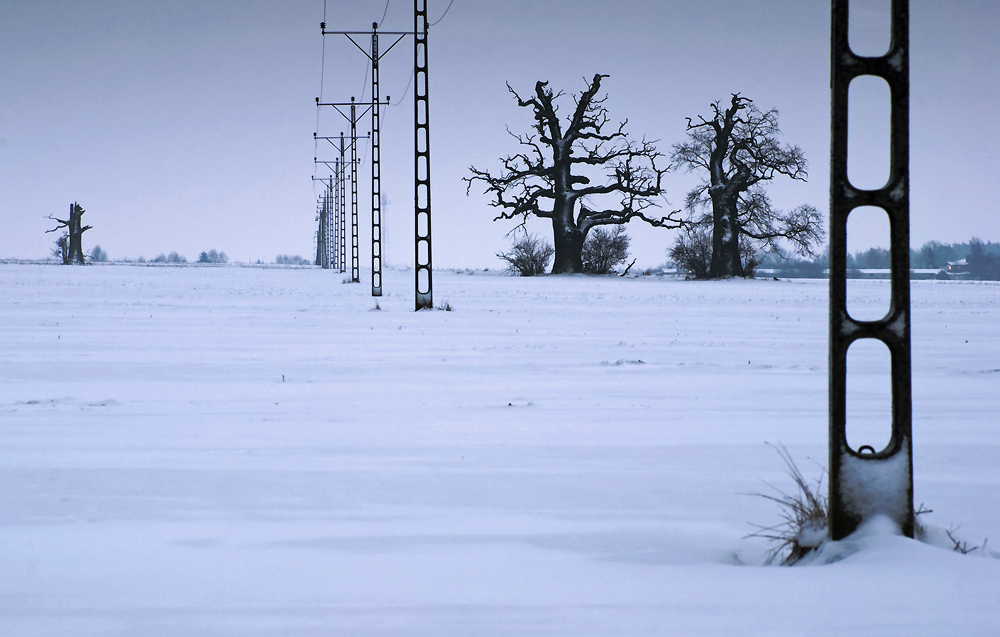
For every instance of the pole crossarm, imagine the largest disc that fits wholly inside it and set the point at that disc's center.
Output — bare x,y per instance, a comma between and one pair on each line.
401,34
349,33
351,143
337,105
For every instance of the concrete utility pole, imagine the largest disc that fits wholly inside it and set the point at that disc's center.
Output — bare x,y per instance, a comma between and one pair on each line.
865,481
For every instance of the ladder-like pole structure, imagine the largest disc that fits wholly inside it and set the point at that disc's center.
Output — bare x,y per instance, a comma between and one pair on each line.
346,143
355,265
336,227
422,162
321,233
325,244
342,216
343,212
376,171
865,482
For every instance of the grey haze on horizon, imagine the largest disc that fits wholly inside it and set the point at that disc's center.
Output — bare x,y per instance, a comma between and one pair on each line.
188,125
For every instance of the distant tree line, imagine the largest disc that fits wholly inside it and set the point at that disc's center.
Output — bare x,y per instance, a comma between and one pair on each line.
213,257
284,259
982,260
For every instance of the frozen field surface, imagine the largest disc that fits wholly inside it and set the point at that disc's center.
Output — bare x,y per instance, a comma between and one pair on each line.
246,451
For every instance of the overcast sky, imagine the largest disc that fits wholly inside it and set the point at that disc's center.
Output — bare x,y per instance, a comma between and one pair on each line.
187,126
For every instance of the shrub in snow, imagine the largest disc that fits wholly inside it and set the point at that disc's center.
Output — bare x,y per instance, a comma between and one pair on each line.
604,250
61,251
692,251
98,255
528,256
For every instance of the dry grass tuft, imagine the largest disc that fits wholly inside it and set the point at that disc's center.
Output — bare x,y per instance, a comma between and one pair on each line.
804,521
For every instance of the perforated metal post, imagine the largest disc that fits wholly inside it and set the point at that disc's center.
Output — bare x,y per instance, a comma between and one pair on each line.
322,233
881,481
335,222
342,206
338,207
422,161
376,172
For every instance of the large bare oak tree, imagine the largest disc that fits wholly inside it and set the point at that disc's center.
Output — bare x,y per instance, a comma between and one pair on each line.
739,151
552,176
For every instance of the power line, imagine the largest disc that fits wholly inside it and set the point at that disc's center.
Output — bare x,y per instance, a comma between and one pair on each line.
407,90
442,15
383,13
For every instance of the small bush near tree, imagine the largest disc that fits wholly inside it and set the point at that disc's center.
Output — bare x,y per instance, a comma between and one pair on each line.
749,257
97,255
212,257
528,256
61,251
605,249
692,251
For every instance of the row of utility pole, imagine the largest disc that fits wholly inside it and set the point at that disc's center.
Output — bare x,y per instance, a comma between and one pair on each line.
331,207
863,482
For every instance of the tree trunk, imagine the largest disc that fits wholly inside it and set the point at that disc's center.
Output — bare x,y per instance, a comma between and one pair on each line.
726,261
566,235
716,266
569,248
731,241
75,234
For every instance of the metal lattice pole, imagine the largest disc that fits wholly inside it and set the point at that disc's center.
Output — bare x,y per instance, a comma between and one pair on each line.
422,161
334,247
336,211
879,481
342,207
376,171
355,265
321,215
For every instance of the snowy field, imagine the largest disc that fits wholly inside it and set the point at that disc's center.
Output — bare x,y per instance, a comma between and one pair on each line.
245,451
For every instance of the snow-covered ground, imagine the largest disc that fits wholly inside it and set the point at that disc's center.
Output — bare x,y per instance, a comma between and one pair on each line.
247,451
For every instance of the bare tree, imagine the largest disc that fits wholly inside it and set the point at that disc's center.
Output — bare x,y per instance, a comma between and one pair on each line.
739,150
75,229
557,166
